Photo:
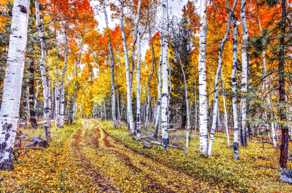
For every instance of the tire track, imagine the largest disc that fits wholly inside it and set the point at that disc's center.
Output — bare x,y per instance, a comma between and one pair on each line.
104,142
129,170
168,179
103,183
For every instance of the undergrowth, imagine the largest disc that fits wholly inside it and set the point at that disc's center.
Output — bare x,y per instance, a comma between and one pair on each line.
54,169
256,171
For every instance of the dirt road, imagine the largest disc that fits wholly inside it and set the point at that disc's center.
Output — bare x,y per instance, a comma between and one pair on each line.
116,168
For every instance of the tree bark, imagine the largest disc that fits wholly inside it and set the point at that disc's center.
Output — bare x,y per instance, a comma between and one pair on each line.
25,103
61,120
203,99
196,109
9,115
266,81
244,75
118,106
138,92
130,118
217,80
44,75
186,96
112,66
234,92
158,105
104,110
164,72
282,92
31,86
148,107
57,99
135,36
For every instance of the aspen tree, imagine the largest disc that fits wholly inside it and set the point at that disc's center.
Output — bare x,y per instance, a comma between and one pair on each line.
9,115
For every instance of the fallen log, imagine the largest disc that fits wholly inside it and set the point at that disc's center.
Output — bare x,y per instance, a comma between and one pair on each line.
169,145
147,144
37,142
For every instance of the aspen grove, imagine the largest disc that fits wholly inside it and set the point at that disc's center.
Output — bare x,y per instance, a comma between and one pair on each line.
145,96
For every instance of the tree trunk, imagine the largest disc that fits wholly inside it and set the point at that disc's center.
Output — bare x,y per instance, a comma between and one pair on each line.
57,101
164,72
187,104
217,80
138,94
234,93
44,75
104,110
266,81
31,86
244,75
62,101
282,92
130,118
9,115
52,94
25,103
118,106
36,101
135,36
158,105
112,66
196,109
148,107
203,99
269,101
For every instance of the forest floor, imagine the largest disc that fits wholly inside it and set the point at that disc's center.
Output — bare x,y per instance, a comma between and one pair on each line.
92,156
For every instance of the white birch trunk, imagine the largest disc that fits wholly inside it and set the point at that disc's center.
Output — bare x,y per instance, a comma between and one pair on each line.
203,99
148,108
138,94
61,120
43,71
57,91
118,106
9,115
135,36
217,79
196,109
137,40
57,102
244,75
274,134
188,112
164,72
188,126
158,105
234,94
130,118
